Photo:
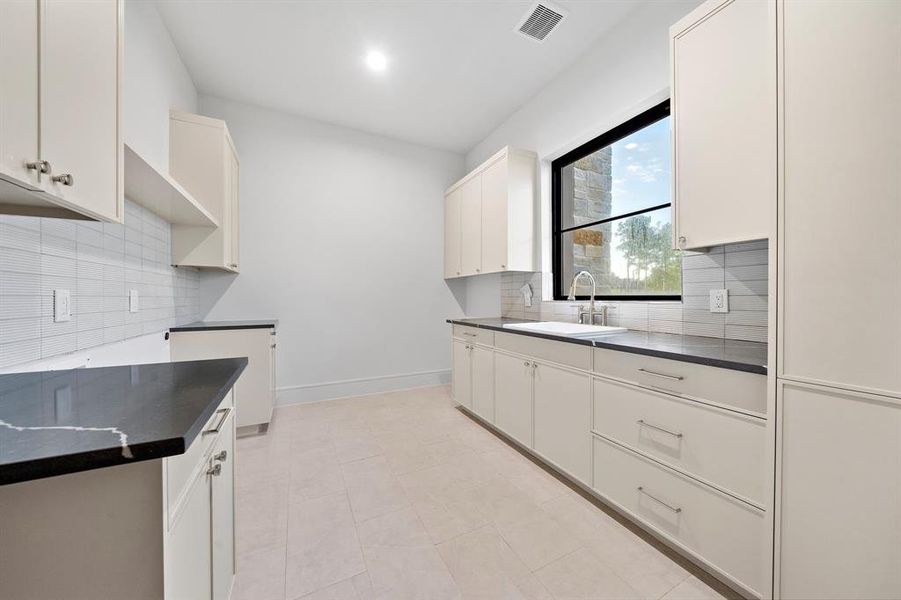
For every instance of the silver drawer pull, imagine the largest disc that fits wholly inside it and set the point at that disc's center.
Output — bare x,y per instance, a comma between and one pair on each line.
643,423
675,509
215,471
221,456
215,429
471,334
663,375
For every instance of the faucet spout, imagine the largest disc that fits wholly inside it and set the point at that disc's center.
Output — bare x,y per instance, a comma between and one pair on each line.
594,291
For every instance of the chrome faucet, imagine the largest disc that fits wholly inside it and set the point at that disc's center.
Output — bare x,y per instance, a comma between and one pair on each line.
594,291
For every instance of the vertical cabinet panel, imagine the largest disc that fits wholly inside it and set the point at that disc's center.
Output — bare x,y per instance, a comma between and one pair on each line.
19,90
452,234
494,217
462,376
724,135
471,226
79,131
223,512
513,397
563,419
188,550
840,500
841,206
483,382
234,200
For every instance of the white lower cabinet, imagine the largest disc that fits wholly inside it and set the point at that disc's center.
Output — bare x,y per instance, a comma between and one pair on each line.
724,532
200,542
462,373
255,389
482,393
513,396
189,561
562,408
839,494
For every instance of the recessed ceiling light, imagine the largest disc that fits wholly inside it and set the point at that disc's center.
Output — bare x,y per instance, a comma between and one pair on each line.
376,61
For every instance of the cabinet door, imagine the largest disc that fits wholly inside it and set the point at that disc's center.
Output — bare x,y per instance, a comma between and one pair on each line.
234,175
223,511
513,397
80,134
471,226
840,489
841,276
494,217
452,234
462,376
563,419
483,382
19,90
724,150
188,550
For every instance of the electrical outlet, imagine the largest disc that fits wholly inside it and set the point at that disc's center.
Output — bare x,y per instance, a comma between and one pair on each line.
133,301
62,306
719,301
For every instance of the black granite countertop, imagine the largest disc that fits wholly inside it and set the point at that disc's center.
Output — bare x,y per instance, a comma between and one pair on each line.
737,355
215,325
58,422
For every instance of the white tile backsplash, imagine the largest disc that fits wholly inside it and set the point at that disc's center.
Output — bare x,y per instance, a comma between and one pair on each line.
98,263
740,268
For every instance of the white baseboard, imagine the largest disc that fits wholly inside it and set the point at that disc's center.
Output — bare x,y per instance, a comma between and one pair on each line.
330,390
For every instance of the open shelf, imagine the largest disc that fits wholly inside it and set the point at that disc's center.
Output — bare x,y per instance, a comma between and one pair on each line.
162,195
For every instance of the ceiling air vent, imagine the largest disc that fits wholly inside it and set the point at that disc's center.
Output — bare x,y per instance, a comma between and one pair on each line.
540,21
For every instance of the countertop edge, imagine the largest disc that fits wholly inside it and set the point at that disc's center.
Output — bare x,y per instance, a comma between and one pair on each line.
65,464
700,360
182,328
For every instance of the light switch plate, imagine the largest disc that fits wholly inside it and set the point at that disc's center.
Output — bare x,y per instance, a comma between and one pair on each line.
133,301
719,301
62,306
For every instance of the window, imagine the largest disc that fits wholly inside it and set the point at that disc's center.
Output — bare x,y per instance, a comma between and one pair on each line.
611,213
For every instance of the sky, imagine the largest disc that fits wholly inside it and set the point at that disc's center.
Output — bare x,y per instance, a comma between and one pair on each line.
641,177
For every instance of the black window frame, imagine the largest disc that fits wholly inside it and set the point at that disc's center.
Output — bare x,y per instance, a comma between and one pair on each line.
561,289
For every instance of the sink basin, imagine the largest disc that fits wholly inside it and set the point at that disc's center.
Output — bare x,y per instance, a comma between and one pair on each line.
570,329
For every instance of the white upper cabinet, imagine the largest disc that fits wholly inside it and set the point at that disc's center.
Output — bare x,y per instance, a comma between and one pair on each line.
490,217
839,248
453,266
202,159
471,225
19,91
60,104
723,91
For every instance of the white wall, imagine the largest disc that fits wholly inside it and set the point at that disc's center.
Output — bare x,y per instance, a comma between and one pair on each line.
155,81
621,75
342,241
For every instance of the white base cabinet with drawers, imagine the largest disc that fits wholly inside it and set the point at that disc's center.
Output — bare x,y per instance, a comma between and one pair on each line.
149,530
678,447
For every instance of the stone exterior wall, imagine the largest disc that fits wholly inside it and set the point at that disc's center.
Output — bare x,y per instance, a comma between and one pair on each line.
592,201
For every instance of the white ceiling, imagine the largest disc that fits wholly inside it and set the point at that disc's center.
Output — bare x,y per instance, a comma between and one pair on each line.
456,68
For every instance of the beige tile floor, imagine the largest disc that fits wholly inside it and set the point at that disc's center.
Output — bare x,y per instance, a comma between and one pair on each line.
399,495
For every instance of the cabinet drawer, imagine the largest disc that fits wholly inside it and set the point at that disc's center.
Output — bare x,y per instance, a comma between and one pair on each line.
179,469
722,447
563,353
724,532
736,389
474,334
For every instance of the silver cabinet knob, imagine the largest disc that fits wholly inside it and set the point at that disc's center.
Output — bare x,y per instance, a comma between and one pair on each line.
503,266
41,165
478,270
215,471
233,265
458,272
65,179
682,241
221,456
527,363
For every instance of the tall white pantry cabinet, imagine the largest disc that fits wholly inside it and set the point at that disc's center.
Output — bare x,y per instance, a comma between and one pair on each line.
838,481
